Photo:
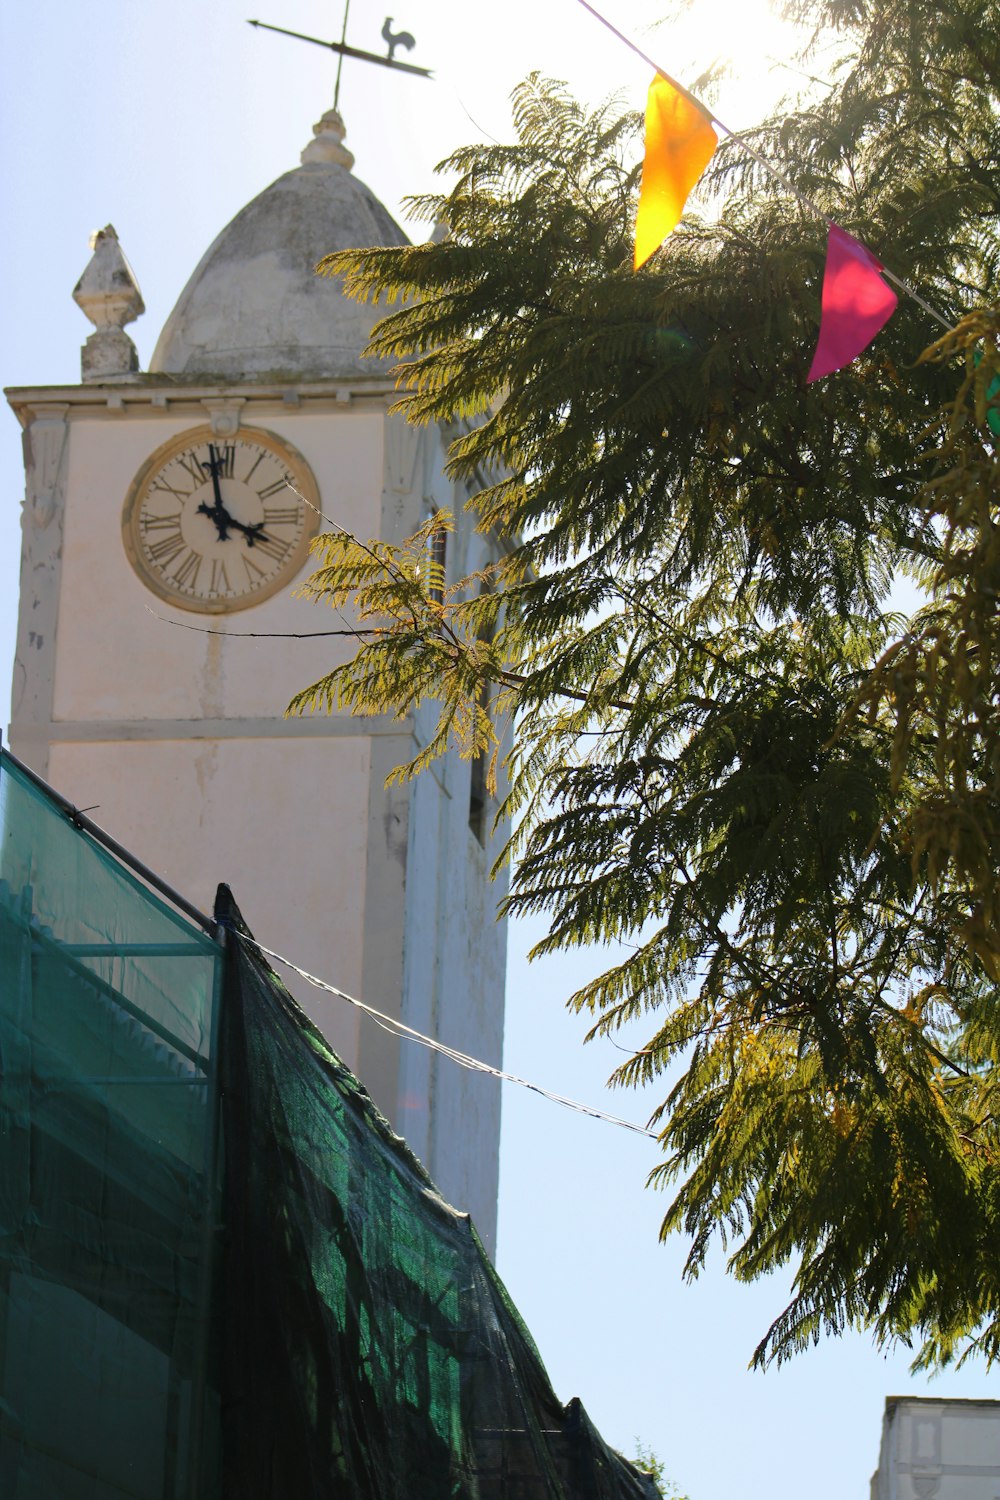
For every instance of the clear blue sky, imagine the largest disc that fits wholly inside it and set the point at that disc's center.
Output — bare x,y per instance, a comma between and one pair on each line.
164,120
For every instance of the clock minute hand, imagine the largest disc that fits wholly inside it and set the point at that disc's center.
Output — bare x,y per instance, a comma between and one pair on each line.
217,512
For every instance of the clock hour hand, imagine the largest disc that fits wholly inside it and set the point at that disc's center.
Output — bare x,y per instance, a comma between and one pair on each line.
223,520
220,515
253,533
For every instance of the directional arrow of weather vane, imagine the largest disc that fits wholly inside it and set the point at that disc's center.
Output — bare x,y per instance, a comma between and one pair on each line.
391,38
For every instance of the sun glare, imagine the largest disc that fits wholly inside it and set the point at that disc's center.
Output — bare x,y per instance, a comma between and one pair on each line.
753,49
756,51
753,46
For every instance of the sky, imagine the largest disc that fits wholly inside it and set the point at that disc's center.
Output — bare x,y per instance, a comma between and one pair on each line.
166,119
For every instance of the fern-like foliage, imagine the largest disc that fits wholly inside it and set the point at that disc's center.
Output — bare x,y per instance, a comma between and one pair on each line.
728,750
418,639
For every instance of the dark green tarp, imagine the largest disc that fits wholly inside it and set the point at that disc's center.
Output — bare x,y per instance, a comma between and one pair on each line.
321,1327
372,1352
108,1000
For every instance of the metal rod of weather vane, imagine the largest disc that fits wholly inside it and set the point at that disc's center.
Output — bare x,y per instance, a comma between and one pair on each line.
340,55
345,51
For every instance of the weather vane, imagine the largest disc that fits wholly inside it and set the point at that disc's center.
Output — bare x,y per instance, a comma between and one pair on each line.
392,39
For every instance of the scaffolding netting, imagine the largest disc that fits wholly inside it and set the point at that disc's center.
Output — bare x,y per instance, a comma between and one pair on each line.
308,1320
371,1350
107,1198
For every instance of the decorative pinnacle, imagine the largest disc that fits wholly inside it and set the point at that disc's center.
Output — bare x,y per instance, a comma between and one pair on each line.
109,295
328,145
107,291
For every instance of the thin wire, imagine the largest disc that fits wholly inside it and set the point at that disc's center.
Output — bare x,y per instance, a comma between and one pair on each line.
464,107
631,1051
295,635
255,635
350,630
777,62
389,1023
762,161
398,1029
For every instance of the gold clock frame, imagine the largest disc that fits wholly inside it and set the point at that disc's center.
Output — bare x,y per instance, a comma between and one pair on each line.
305,483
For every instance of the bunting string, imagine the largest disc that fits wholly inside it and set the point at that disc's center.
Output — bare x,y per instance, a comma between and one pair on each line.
751,151
856,301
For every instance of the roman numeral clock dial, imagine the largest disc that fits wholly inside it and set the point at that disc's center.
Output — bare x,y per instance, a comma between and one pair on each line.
214,524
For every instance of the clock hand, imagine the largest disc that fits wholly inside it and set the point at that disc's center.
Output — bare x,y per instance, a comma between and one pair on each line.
223,520
253,533
217,512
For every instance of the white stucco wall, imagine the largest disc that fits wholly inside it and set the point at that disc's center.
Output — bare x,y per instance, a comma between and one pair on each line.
455,957
116,657
455,946
938,1450
266,816
176,740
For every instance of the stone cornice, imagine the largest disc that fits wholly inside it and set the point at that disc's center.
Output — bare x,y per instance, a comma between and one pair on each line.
148,395
118,731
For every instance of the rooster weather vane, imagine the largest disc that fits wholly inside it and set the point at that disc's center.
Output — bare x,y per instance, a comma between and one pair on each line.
392,39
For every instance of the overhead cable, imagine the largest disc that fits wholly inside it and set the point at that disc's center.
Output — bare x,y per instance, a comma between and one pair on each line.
398,1029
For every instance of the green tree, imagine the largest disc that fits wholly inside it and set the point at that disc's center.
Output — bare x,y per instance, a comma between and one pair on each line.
650,1463
728,751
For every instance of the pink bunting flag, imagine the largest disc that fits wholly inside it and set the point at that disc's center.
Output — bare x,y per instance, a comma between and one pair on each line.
856,304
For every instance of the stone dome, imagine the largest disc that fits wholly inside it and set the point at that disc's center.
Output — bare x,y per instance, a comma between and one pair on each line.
254,307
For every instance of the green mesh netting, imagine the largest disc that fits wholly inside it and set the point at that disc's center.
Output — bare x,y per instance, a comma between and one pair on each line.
352,1340
107,1135
370,1350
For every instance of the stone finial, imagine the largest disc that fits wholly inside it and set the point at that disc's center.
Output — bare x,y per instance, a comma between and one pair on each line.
328,145
109,295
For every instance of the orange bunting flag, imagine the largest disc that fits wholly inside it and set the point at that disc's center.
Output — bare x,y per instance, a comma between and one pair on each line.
679,146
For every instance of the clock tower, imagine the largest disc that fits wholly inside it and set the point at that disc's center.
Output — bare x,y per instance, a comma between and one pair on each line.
167,520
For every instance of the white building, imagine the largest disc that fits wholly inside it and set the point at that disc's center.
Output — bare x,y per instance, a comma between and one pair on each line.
161,545
938,1450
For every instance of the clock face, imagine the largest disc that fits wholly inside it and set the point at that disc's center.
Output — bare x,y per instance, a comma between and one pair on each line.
215,524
